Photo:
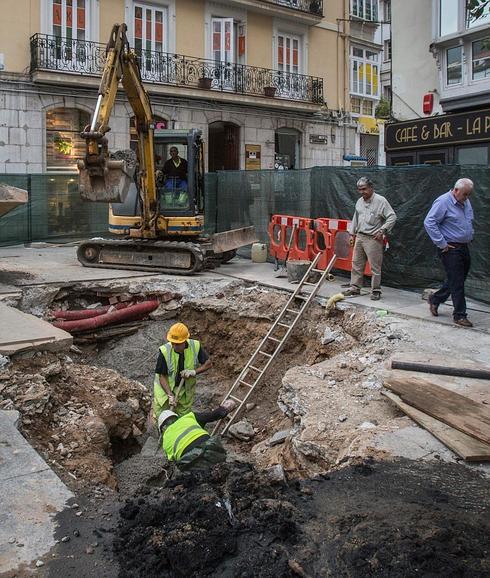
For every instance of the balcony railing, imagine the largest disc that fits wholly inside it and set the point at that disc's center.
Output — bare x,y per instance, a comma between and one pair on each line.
310,6
87,58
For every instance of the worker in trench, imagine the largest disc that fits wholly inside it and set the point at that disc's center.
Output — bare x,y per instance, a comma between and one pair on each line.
186,443
179,361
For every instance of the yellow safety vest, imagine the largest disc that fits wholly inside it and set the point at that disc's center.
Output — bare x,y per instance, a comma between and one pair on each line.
186,396
179,435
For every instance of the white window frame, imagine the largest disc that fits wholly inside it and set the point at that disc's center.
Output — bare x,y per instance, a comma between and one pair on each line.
91,19
364,60
216,11
233,40
458,84
165,17
362,8
284,28
168,5
291,37
470,72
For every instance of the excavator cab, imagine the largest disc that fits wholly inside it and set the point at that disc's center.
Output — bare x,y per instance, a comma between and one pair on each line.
180,199
179,170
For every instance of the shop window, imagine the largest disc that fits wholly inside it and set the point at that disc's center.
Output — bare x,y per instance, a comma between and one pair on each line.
449,11
454,65
64,144
481,59
473,155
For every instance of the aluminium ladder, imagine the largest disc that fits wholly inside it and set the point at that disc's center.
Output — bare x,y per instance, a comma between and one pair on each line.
272,343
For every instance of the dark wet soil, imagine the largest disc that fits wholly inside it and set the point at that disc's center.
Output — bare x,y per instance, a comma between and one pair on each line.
387,520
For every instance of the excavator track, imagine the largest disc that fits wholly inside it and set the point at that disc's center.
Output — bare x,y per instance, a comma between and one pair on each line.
171,257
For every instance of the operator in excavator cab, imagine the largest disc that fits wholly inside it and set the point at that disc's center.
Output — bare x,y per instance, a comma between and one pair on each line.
175,175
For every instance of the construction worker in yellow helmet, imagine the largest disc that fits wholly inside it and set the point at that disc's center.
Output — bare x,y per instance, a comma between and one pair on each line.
179,361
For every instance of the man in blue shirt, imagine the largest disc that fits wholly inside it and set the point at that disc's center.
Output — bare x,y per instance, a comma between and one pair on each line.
449,224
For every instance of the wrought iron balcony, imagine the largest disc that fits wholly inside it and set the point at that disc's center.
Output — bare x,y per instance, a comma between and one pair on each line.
58,54
310,6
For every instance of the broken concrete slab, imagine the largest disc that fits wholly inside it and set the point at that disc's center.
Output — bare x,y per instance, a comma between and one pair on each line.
242,430
30,495
11,197
279,438
23,332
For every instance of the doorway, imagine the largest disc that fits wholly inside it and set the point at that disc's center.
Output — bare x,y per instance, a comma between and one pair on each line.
224,147
287,148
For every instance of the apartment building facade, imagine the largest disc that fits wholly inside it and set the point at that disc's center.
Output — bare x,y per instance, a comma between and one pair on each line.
441,84
271,83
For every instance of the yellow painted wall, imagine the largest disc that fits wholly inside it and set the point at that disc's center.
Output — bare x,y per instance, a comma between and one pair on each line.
17,24
323,61
190,27
259,40
111,12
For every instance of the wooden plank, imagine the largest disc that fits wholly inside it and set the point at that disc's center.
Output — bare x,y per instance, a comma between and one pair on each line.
453,409
467,447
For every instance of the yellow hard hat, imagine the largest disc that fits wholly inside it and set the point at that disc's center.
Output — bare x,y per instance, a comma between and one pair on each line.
178,333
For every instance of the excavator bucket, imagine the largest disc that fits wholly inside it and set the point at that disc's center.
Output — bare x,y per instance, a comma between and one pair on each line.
234,239
107,183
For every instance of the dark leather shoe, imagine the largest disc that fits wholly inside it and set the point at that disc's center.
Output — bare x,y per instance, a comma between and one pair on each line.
375,296
463,322
433,308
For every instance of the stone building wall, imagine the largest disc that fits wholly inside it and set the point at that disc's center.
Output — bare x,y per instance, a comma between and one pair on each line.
23,108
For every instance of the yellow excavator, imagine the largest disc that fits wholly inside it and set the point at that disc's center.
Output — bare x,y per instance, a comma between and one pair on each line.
161,217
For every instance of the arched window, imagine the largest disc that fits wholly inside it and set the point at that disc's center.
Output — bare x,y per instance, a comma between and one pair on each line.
64,145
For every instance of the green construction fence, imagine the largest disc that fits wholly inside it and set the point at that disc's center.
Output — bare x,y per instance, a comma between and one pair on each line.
55,212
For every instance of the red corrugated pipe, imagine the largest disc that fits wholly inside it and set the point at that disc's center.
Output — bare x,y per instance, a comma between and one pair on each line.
86,313
130,313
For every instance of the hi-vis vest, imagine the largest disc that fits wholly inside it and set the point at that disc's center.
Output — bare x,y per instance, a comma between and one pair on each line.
179,435
172,360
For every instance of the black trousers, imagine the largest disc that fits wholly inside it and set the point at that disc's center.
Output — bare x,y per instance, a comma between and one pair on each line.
457,263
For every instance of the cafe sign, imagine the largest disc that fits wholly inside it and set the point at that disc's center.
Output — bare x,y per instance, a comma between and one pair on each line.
448,129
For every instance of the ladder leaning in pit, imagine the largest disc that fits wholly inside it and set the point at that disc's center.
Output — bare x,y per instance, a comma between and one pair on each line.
281,329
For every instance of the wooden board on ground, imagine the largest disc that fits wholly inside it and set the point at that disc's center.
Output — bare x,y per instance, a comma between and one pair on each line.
454,409
476,389
467,447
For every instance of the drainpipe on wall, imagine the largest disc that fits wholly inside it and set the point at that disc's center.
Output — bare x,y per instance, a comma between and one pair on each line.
346,26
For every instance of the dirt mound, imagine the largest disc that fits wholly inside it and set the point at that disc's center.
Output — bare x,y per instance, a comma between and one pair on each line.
81,418
230,519
372,519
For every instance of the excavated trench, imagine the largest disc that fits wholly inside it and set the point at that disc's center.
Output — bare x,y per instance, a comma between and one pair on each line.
332,514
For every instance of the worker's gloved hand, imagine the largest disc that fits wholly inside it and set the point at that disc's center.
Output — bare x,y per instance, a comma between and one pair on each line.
186,373
229,405
172,401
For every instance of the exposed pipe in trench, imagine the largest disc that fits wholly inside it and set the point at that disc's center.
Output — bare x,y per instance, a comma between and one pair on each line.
131,313
86,313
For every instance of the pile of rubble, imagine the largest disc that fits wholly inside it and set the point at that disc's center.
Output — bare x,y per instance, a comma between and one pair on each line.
80,418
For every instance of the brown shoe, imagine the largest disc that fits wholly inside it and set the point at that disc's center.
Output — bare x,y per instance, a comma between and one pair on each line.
463,322
433,308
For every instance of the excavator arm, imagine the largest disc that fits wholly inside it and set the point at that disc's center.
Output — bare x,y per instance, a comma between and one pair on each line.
106,179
